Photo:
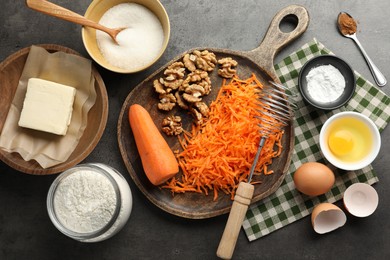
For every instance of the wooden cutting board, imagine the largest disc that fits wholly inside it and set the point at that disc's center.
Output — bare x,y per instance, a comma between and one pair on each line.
258,61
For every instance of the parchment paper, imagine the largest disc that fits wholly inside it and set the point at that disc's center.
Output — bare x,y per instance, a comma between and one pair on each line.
50,149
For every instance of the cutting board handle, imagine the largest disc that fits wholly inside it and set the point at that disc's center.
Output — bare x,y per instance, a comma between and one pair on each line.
275,39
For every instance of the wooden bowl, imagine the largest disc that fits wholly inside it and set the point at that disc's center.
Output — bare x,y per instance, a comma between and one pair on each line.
97,9
10,71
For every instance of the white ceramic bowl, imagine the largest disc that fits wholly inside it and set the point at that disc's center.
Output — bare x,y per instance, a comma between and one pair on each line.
361,199
347,165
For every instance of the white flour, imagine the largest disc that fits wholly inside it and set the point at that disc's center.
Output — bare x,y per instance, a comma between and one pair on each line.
85,201
325,83
139,44
126,204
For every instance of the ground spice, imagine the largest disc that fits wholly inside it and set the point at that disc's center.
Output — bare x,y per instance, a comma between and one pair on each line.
347,24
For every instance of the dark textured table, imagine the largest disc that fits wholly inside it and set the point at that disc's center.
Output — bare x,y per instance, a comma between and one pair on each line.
25,228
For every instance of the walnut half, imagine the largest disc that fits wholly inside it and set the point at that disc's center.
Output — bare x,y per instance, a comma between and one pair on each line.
226,67
205,60
172,125
167,102
174,75
202,60
199,111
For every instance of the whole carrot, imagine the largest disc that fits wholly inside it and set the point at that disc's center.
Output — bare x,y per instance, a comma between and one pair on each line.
158,160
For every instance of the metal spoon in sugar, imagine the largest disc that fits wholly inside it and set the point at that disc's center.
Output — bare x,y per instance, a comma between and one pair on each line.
347,27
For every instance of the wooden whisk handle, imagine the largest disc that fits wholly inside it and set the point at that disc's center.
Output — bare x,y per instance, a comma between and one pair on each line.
242,199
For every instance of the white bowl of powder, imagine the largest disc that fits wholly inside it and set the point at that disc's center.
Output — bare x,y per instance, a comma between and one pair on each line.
139,46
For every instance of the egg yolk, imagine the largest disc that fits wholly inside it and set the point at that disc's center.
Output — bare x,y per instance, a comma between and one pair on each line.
340,142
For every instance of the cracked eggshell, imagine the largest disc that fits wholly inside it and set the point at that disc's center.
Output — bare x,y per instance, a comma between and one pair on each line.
360,199
313,178
327,217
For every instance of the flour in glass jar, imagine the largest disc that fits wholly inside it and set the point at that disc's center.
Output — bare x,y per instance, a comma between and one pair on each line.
139,44
85,201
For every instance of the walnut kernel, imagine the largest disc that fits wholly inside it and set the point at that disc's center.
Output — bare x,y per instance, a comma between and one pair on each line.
189,61
167,102
227,70
172,125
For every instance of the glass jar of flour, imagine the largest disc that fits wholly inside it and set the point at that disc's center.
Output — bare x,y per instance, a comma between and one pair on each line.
89,202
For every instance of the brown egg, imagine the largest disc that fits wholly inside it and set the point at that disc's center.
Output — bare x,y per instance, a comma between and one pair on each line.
313,178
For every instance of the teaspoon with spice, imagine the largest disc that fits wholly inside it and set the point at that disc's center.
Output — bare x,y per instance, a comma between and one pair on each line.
347,27
65,14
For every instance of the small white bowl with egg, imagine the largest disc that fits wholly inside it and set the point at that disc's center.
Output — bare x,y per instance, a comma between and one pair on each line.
350,140
139,46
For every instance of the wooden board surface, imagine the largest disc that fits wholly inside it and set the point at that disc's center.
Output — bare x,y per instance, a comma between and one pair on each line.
10,71
260,62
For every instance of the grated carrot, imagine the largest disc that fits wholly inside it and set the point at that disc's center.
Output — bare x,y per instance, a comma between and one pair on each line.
218,155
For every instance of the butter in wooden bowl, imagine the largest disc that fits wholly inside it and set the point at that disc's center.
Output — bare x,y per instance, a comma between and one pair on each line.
60,113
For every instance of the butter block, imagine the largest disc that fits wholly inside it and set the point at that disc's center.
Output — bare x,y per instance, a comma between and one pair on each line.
47,106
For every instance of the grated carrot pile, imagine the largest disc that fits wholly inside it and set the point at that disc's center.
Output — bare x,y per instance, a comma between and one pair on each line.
218,155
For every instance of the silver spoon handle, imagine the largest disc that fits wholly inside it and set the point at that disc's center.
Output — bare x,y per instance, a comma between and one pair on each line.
378,76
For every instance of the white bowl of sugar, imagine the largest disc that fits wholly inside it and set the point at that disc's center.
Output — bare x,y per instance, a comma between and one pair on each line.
139,46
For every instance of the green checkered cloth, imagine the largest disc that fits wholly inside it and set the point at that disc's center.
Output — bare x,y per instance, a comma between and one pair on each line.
287,205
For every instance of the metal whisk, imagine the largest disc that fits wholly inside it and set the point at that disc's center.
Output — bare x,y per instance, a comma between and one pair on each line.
276,105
